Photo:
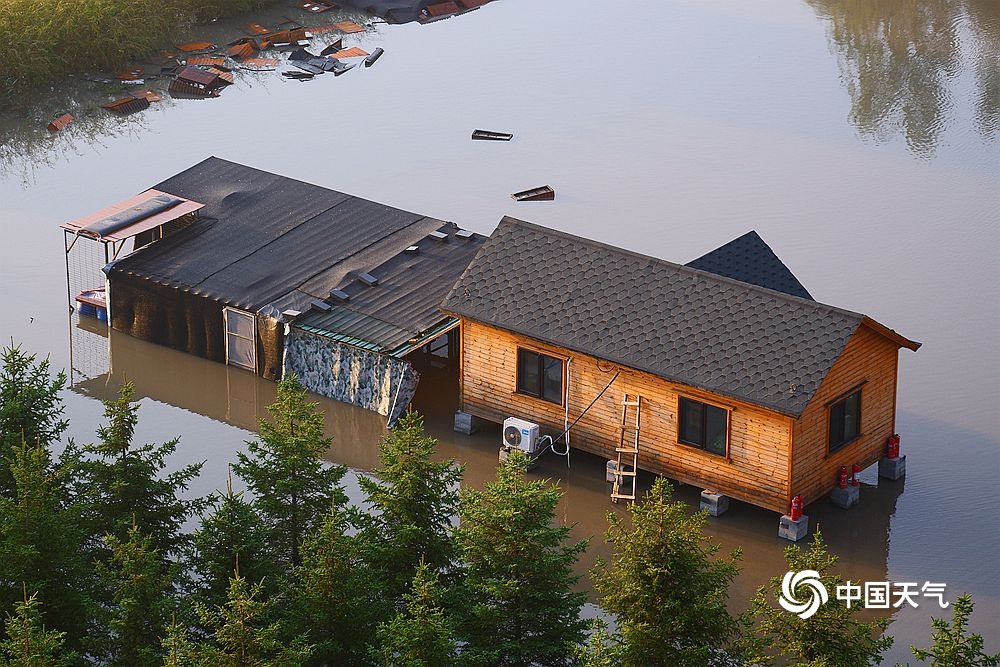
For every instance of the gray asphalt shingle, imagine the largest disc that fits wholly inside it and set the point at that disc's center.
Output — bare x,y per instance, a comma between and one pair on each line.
750,260
687,325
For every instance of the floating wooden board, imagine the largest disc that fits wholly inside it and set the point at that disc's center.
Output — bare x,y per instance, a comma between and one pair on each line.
543,193
348,27
127,105
352,52
60,122
208,61
489,135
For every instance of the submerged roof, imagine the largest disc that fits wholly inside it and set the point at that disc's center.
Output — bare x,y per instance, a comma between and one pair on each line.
267,243
749,259
687,325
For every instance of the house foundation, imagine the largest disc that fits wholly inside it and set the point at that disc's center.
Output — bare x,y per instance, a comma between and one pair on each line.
846,498
467,424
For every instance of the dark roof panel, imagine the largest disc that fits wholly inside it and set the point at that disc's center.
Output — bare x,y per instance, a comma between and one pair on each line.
680,323
750,260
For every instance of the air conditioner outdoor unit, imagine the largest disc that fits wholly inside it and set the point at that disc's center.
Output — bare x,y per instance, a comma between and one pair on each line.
521,434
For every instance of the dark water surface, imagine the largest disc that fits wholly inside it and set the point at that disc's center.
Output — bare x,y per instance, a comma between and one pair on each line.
860,138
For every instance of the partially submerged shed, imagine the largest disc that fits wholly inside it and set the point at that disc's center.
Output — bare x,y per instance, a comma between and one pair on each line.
270,277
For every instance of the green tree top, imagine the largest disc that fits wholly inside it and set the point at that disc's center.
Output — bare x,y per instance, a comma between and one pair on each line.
412,506
293,488
952,645
833,636
30,407
28,643
665,585
123,483
421,635
516,604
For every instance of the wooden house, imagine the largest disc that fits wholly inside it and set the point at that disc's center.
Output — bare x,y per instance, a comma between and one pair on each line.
275,275
753,392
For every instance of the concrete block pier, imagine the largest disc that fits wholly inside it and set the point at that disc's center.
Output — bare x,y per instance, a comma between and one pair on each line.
466,423
714,502
892,469
792,529
846,498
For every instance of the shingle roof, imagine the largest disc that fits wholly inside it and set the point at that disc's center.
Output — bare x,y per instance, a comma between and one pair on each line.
687,325
749,259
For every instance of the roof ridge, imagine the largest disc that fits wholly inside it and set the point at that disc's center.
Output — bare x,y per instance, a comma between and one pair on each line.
818,305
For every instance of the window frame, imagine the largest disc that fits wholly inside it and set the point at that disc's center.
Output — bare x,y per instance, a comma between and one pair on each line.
226,332
703,446
542,356
831,447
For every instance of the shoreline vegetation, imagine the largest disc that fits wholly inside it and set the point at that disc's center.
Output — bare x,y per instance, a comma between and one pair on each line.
41,41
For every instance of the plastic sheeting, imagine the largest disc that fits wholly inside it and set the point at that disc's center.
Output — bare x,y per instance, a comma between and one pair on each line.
351,375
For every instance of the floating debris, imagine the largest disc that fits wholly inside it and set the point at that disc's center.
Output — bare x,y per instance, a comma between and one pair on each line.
440,10
318,6
191,47
489,135
376,54
127,105
259,64
333,48
352,52
60,123
298,76
543,193
242,48
150,96
255,29
198,82
292,37
348,26
133,75
207,61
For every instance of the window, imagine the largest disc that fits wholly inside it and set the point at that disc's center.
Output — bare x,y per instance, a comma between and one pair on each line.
703,425
539,375
241,339
845,420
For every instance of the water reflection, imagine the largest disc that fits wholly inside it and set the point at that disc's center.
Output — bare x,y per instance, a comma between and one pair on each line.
238,398
906,64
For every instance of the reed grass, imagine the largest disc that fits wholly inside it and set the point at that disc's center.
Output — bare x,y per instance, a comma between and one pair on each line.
40,41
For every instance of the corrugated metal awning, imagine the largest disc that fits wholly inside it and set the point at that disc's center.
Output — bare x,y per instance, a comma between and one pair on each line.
180,210
367,332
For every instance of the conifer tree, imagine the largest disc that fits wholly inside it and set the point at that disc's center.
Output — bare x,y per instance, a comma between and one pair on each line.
292,487
124,484
516,603
41,545
831,637
28,643
240,634
336,599
952,645
231,535
421,635
413,502
664,585
30,407
140,584
178,650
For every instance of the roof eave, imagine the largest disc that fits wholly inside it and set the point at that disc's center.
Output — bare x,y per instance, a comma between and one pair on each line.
898,339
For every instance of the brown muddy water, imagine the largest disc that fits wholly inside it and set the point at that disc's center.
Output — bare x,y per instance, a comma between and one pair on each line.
861,139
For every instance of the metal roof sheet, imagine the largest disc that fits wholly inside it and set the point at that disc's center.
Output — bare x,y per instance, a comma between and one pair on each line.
185,207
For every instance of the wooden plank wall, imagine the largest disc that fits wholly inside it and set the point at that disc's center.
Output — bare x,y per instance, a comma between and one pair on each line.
868,357
756,470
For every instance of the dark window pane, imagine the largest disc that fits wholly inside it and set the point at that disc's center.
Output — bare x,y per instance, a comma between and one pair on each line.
552,388
690,426
528,380
852,416
239,323
241,352
845,421
715,429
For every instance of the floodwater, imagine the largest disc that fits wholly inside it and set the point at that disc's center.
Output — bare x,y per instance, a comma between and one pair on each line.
861,139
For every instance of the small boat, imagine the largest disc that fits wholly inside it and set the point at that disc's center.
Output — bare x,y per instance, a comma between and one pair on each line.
543,193
93,303
489,135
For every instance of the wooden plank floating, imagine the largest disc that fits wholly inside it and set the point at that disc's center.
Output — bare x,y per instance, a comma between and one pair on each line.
490,135
543,193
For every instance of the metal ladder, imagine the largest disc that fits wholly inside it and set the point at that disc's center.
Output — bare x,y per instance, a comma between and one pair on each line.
628,445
